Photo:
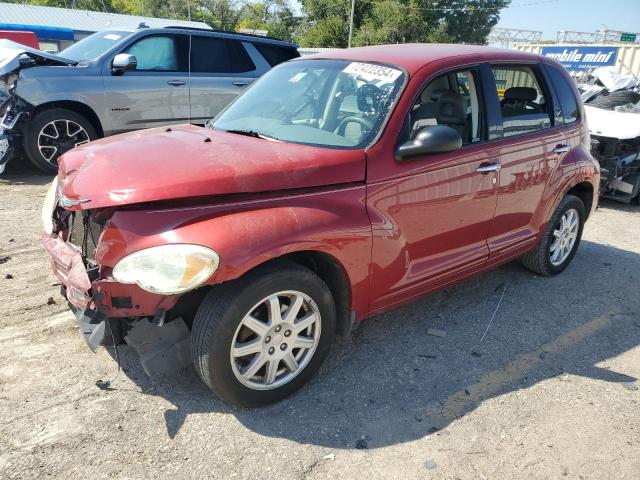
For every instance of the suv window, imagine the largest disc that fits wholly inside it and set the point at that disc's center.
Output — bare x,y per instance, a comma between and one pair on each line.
165,53
565,94
276,55
523,102
453,100
218,55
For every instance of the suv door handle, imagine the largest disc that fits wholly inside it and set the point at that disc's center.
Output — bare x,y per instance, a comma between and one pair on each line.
562,148
241,83
176,83
488,167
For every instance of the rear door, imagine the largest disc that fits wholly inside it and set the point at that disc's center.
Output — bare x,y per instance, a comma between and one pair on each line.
527,144
156,93
221,69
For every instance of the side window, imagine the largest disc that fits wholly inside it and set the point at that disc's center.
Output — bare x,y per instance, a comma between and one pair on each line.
160,53
276,55
453,100
565,94
523,102
218,55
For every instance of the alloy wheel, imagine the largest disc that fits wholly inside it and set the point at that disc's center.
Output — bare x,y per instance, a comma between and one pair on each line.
58,137
565,235
275,340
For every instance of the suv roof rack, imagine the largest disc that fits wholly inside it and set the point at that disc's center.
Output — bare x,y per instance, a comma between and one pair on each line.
213,30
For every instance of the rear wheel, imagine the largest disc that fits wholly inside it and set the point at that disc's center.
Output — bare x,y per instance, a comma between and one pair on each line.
560,240
259,339
53,132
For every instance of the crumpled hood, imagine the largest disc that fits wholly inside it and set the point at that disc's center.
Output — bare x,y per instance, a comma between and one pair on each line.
11,52
609,123
188,161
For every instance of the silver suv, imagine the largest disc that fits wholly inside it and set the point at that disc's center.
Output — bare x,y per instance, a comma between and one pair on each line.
120,80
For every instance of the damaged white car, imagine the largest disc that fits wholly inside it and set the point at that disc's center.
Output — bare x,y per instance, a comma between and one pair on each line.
612,107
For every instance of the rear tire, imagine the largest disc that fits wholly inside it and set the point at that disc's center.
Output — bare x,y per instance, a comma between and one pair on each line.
219,332
541,259
51,133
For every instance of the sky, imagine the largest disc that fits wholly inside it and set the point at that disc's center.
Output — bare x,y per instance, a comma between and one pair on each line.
550,16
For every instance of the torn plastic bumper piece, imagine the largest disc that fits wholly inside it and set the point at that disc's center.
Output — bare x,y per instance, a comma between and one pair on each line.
93,326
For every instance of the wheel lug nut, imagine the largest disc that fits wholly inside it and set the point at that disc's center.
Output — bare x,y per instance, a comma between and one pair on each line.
287,333
271,350
267,339
278,328
283,346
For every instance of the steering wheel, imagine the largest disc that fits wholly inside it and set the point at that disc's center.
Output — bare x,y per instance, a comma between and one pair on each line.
352,118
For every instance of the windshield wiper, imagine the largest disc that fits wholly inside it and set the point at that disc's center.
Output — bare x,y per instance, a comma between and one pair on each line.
252,133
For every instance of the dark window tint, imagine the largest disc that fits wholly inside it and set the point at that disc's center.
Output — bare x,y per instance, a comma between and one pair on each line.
275,54
217,55
565,94
523,102
164,53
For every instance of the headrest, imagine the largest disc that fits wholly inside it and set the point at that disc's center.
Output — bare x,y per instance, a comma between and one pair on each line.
450,108
526,94
369,98
435,95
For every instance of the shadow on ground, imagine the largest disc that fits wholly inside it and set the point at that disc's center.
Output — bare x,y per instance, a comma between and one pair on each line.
20,171
392,382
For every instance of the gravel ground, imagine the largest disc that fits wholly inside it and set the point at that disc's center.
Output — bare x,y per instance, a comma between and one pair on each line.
550,391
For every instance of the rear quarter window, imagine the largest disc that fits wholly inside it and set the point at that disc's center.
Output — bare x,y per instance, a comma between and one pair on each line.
565,93
276,55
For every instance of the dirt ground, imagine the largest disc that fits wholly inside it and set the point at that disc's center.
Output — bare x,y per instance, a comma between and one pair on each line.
550,392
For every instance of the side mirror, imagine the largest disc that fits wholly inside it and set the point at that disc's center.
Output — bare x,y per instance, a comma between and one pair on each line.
432,139
123,62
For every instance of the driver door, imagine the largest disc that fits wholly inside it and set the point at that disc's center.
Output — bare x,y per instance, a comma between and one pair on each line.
156,93
431,214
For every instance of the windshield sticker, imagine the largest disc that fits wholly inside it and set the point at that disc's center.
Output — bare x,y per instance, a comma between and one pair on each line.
112,36
369,72
297,77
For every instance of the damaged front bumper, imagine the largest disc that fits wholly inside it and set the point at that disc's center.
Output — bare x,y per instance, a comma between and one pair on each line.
620,167
12,112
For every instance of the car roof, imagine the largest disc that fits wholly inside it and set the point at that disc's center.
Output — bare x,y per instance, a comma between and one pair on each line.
413,56
205,31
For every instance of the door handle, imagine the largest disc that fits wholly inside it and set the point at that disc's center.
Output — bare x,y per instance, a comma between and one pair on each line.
562,148
241,83
176,83
489,167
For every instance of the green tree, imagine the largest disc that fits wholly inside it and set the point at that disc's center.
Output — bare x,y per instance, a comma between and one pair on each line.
399,21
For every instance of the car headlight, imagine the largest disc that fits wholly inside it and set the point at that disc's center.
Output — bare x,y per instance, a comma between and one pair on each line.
49,206
168,269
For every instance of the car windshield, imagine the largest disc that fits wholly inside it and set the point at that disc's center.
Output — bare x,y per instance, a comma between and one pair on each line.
93,46
328,103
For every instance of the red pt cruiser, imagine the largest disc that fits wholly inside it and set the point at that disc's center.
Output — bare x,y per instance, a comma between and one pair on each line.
338,186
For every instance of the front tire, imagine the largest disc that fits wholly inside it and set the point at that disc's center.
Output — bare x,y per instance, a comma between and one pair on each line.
51,133
560,240
260,338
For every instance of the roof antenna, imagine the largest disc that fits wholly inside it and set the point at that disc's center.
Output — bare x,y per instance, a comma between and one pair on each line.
143,25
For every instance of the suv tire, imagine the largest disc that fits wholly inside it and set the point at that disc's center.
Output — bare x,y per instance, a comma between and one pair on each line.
220,323
39,136
540,260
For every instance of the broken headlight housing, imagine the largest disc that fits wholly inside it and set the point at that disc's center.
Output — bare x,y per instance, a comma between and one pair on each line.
168,269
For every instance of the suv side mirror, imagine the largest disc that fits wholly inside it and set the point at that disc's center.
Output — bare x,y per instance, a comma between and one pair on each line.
432,139
123,62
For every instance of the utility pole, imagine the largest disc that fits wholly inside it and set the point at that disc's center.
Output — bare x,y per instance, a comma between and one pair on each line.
353,8
189,9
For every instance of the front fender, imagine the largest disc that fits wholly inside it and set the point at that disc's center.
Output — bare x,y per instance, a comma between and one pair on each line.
247,234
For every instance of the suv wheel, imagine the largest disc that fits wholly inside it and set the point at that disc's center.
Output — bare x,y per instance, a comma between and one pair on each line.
260,338
53,132
560,240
